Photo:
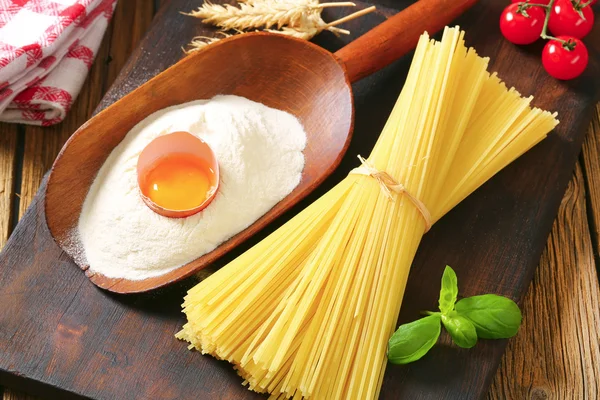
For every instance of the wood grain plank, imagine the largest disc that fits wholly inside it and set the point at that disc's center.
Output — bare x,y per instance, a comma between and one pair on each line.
591,172
556,354
12,395
161,311
129,25
131,20
8,150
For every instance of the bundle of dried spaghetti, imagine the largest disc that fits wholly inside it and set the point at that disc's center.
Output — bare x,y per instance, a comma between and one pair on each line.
308,311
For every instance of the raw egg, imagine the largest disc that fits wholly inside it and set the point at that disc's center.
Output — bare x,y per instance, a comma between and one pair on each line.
178,174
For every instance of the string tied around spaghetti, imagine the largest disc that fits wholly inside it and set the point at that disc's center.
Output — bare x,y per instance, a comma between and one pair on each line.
389,185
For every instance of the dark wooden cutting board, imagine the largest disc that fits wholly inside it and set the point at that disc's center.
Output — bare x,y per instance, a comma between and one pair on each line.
61,337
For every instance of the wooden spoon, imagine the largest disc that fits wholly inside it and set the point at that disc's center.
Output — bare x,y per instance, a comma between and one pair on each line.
281,72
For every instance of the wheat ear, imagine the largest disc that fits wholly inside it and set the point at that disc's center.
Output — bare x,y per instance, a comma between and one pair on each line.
200,42
253,14
314,25
303,18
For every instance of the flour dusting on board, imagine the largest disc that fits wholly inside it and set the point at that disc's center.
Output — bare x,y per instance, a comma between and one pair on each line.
260,158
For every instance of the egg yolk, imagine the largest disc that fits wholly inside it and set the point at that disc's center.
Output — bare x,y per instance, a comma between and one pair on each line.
179,182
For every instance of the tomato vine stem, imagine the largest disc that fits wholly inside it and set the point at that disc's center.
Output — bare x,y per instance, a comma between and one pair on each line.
544,34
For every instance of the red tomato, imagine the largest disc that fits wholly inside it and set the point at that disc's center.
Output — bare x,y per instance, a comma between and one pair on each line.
521,29
566,21
565,61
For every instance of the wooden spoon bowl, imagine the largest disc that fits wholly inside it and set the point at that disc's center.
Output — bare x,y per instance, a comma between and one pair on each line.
281,72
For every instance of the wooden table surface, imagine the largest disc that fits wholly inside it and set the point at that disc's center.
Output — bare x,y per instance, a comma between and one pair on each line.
556,354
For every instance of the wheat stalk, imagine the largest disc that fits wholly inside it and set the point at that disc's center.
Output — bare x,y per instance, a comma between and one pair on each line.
297,18
254,14
350,17
316,26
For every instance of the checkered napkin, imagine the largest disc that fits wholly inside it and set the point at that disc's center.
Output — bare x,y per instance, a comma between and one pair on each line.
46,50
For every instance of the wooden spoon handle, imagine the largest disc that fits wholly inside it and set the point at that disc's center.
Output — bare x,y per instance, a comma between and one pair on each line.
398,35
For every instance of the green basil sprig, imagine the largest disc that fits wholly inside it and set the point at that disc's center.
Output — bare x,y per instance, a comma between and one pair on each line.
487,316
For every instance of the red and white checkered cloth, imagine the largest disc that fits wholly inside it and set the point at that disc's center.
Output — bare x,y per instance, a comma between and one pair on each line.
46,50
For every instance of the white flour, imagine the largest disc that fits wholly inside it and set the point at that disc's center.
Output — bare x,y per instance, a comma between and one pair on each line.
260,158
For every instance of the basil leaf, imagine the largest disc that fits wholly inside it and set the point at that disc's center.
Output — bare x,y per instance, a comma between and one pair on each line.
494,317
413,340
461,329
449,290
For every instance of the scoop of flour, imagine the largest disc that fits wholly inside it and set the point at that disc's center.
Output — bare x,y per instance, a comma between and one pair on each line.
260,159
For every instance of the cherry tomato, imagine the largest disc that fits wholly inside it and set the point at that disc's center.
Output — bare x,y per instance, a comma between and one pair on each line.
566,21
545,2
521,29
565,61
